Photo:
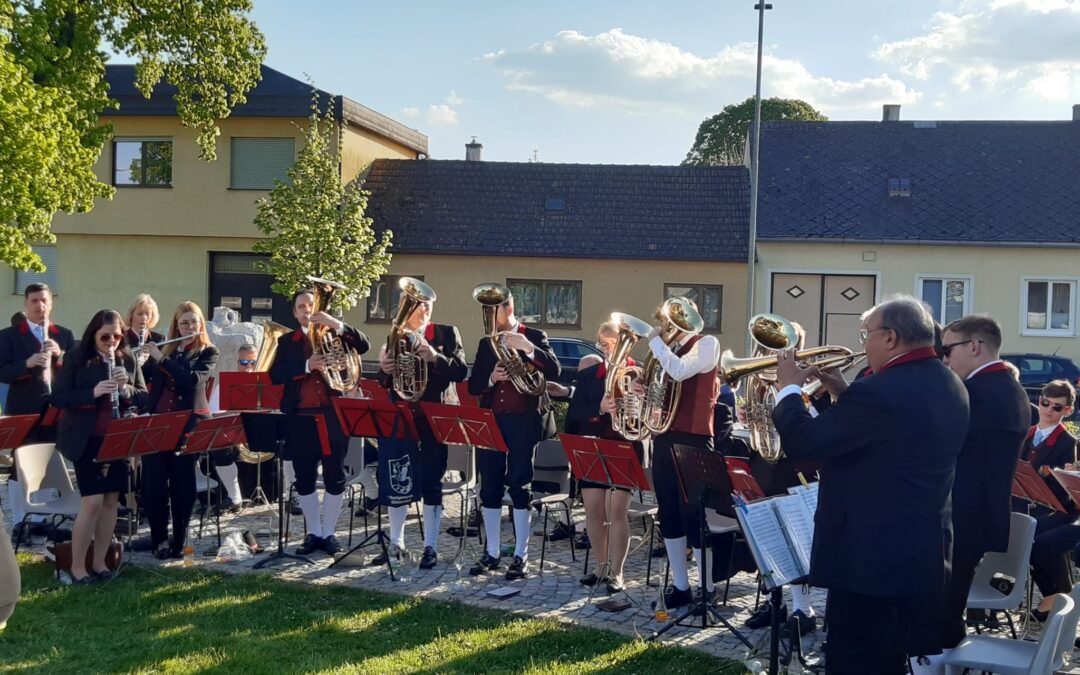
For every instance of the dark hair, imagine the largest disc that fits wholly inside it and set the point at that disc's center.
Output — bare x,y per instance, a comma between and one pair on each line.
35,287
1060,389
87,347
908,318
302,291
978,327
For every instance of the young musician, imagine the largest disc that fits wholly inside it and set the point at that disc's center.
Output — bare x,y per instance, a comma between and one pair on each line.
589,414
31,353
224,461
692,360
98,369
440,348
984,470
142,317
519,418
168,483
307,393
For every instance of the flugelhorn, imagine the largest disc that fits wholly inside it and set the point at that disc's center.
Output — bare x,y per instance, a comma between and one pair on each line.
678,316
410,378
524,376
626,419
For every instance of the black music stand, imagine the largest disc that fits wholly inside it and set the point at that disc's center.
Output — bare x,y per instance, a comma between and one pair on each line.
611,463
704,483
209,435
264,433
373,418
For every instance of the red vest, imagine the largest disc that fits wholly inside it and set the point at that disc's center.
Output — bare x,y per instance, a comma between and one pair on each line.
314,393
698,398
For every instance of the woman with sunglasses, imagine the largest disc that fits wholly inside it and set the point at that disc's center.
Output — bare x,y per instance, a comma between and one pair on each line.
179,383
99,367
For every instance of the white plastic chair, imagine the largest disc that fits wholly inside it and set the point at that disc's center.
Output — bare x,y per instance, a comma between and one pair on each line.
461,459
1016,657
41,467
1013,563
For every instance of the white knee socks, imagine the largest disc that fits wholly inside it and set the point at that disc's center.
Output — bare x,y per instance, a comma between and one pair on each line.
676,554
522,523
309,504
331,509
229,476
432,523
397,514
701,557
492,519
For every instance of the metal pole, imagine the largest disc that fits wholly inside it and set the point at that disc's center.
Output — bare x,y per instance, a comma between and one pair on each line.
755,138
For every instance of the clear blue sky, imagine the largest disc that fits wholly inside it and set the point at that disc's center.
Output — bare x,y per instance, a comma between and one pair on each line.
628,81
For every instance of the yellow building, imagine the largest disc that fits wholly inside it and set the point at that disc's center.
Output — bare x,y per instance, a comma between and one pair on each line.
180,228
971,217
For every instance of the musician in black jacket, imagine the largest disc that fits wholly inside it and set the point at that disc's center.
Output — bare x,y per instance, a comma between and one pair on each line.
984,470
84,390
888,448
168,480
31,353
142,318
409,469
306,393
519,418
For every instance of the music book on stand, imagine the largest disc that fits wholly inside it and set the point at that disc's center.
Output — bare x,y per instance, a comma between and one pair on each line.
249,391
1029,486
135,436
1070,480
464,425
595,459
372,390
263,430
215,433
14,428
374,418
780,533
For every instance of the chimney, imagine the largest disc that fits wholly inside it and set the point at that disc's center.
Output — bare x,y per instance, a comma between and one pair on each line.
890,112
1076,112
472,150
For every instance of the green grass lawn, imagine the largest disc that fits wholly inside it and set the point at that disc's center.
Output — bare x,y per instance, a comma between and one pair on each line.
184,621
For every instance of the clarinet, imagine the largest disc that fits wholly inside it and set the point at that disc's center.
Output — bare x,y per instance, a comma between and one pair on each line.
116,394
46,370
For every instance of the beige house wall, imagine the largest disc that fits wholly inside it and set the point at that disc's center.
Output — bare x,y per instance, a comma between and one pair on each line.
996,273
361,148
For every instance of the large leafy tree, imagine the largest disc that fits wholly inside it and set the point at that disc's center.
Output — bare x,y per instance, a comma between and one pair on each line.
52,91
721,139
315,224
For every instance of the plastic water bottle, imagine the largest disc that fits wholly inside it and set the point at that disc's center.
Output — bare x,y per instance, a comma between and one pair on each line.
189,555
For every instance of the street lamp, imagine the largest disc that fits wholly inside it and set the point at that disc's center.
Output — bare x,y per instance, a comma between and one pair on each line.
754,157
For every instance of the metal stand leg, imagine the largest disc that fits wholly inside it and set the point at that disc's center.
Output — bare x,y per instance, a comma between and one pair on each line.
281,554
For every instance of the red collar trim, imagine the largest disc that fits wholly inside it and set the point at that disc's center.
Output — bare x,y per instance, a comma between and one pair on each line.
298,335
1051,437
993,368
429,332
920,354
53,330
520,328
24,327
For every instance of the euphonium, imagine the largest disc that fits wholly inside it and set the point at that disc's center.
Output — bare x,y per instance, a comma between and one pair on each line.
525,378
410,376
342,362
626,420
678,316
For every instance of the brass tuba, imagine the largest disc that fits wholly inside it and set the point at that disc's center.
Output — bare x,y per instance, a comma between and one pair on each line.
410,376
343,367
267,350
524,376
678,316
772,333
626,420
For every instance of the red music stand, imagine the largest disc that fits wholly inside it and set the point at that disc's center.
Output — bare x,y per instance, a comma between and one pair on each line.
371,418
249,391
1029,486
215,433
609,462
464,425
742,481
14,428
464,397
373,391
136,436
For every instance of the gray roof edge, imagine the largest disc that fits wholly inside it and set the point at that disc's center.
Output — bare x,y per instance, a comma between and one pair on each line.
404,249
920,242
387,127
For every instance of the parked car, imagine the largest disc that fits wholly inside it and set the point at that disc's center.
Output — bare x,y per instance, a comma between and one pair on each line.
570,351
1038,369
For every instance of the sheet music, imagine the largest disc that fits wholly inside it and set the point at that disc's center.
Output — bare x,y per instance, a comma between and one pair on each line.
763,532
809,494
792,510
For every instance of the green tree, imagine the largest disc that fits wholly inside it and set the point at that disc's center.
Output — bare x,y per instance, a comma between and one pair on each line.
315,224
721,139
52,91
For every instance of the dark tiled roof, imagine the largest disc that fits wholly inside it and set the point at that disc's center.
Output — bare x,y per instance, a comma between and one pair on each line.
504,208
970,181
276,95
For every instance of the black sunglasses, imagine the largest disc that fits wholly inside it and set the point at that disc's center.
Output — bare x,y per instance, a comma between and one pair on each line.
946,350
1056,407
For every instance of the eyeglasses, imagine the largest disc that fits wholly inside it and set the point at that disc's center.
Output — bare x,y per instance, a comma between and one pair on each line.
188,324
1046,403
246,362
946,350
864,334
111,337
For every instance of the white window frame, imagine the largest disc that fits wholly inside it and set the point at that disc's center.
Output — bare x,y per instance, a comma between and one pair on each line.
1048,332
969,286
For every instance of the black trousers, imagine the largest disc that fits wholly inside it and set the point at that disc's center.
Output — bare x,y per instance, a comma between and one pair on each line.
960,575
1056,536
677,518
513,470
168,489
305,451
869,634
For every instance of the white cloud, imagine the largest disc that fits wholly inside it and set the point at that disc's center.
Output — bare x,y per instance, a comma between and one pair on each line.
454,99
433,114
643,75
1030,46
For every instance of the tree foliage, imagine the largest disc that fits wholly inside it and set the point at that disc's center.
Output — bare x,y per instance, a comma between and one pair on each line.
315,224
721,139
52,91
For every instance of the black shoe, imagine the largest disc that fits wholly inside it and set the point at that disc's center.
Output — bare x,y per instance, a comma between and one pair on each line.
762,618
674,598
102,576
474,520
382,558
590,579
20,535
582,544
807,624
330,545
429,558
710,598
660,551
486,563
164,553
615,586
310,545
518,569
557,533
88,580
1039,615
294,507
228,507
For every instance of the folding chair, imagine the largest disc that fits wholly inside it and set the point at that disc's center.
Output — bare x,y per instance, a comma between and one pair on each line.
1013,563
42,468
461,459
1018,657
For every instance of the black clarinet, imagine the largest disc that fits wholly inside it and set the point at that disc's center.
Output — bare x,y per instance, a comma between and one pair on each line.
116,394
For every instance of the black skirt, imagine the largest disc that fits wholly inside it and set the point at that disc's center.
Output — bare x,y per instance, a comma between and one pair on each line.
98,478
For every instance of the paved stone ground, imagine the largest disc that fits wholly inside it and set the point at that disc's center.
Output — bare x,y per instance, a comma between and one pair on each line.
554,592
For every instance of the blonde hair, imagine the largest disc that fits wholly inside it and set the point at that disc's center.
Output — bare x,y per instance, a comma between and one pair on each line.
202,340
609,327
144,300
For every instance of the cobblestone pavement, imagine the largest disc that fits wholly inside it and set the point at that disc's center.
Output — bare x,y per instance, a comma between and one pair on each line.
553,592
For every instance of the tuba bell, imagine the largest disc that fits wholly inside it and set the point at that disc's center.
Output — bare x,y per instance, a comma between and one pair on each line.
678,316
524,376
626,420
343,366
410,376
